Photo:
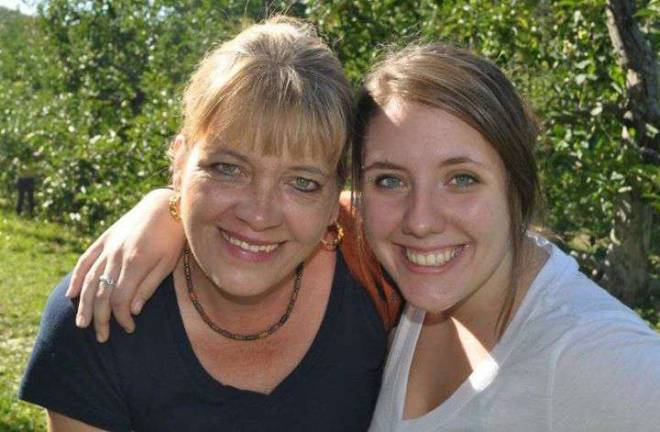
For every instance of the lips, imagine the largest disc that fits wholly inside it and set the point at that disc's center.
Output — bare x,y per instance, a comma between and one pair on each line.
249,246
437,258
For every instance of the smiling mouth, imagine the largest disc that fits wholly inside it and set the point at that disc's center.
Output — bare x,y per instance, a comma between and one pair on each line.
433,259
248,247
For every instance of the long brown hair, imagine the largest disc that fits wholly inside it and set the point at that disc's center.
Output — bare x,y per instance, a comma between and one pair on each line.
476,91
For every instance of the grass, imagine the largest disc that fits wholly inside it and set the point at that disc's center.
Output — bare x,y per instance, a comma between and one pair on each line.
34,255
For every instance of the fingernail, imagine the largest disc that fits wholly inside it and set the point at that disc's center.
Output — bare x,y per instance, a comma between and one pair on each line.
80,321
136,307
101,338
130,329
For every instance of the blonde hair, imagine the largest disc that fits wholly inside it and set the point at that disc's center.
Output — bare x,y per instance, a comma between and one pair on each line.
275,88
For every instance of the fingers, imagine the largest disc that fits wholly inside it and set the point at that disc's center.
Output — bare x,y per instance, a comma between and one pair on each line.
102,308
149,284
122,296
88,293
83,265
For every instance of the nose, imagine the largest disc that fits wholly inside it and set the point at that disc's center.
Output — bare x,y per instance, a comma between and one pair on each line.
260,207
423,214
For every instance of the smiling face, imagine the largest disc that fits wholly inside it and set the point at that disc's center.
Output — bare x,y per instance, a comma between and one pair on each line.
435,208
266,120
251,219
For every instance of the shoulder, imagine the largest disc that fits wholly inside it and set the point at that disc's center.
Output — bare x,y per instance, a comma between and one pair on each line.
356,302
563,296
58,318
70,373
606,376
604,361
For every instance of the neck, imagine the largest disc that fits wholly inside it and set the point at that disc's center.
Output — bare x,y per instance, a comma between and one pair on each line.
237,314
480,313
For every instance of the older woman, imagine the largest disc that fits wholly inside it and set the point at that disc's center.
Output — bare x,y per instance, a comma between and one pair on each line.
501,332
260,326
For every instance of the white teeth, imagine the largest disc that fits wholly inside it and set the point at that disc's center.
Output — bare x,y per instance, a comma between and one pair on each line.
433,259
247,246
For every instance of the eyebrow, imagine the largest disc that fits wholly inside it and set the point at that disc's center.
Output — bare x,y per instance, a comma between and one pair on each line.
382,165
310,169
229,152
386,164
237,155
459,160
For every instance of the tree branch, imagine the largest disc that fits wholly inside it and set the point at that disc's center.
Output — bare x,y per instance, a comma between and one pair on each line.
637,58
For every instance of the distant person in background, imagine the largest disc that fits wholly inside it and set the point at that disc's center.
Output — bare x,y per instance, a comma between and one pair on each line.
27,174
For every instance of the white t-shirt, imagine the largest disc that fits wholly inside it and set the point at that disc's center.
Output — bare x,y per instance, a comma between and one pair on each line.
572,359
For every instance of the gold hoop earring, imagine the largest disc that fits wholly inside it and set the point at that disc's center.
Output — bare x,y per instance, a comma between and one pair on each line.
336,231
174,206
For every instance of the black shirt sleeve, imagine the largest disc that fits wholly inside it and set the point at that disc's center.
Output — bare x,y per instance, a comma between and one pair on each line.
72,374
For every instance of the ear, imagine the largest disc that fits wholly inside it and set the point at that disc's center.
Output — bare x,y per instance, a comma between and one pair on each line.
177,153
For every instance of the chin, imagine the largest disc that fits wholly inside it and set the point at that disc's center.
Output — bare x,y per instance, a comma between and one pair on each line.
427,298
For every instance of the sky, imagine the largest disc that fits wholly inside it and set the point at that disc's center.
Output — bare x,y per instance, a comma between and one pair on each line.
23,5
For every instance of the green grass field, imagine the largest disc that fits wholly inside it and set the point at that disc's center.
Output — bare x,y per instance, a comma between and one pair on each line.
33,257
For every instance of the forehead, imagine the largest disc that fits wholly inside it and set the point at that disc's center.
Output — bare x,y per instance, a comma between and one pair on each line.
216,148
416,134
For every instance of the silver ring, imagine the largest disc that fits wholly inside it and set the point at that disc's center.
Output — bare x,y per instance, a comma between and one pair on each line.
106,282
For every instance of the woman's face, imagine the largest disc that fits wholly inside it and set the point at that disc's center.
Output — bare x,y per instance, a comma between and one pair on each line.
251,219
435,207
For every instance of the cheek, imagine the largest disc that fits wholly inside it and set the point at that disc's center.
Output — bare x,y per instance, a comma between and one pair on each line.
202,199
309,221
382,216
486,220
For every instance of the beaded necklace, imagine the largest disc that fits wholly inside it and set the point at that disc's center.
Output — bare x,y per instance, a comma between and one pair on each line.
226,333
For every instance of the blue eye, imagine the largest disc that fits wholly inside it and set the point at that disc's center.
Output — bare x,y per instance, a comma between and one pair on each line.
305,185
388,182
227,169
462,180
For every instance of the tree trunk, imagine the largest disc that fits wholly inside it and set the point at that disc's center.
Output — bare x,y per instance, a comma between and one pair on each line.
627,272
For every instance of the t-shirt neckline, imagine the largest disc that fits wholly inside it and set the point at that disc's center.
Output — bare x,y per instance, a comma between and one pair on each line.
210,386
487,369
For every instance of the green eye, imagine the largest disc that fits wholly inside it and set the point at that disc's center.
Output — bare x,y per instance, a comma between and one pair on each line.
227,169
305,185
388,182
463,180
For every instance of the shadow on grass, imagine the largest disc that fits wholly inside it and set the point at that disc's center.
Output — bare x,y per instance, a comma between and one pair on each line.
36,231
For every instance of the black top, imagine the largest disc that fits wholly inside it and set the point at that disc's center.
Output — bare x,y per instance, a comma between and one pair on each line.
152,380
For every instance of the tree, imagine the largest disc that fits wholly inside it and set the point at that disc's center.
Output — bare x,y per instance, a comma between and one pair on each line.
627,274
96,87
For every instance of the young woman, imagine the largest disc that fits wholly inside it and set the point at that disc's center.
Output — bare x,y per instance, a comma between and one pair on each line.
260,326
501,332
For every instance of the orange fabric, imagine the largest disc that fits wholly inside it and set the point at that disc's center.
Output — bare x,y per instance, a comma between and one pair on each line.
364,267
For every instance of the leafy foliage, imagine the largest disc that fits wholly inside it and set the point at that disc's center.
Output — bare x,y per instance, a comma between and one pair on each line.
95,87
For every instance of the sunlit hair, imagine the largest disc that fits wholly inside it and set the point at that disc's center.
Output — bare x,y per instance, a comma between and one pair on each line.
476,91
275,89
